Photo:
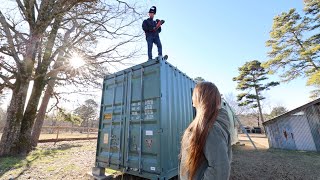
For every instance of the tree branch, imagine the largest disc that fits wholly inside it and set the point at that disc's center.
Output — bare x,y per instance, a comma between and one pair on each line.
7,81
12,70
5,25
303,48
21,7
127,5
29,12
48,49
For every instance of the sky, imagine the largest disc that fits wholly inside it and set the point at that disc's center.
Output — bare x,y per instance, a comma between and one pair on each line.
213,38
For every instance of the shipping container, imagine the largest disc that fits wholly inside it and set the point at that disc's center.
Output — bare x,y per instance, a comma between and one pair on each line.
233,122
144,111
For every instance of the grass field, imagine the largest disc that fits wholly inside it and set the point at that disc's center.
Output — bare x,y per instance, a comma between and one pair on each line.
65,160
74,159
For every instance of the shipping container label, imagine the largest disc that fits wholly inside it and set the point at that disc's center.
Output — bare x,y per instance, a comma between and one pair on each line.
106,138
148,109
149,133
135,108
149,114
148,117
108,116
136,104
134,113
148,106
149,143
148,102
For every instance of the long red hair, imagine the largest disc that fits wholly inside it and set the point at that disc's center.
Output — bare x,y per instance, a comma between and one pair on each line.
207,99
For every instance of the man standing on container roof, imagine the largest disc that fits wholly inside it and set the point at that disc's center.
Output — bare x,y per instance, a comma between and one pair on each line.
152,29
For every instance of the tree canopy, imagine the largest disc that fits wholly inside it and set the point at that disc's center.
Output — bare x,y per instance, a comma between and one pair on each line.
295,45
39,42
252,77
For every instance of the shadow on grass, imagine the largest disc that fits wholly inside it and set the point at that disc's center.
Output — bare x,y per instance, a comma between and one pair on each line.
24,162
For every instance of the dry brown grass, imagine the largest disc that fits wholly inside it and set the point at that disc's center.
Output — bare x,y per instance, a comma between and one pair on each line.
65,135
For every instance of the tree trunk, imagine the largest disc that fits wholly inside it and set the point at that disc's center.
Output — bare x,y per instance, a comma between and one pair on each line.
259,105
36,131
9,144
25,139
10,136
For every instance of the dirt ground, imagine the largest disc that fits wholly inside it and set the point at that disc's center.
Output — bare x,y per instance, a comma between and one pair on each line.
260,140
266,163
72,160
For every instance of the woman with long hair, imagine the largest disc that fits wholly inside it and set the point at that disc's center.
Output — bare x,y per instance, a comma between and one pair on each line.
206,143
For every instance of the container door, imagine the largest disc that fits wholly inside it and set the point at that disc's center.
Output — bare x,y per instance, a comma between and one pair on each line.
142,134
112,122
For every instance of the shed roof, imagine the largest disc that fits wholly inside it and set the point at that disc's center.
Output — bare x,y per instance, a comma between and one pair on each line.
317,101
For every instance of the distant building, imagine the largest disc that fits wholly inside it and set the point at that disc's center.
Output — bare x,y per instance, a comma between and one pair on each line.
298,129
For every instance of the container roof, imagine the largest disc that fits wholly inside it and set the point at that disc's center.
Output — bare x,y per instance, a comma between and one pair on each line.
143,65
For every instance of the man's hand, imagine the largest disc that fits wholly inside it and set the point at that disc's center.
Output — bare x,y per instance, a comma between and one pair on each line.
159,23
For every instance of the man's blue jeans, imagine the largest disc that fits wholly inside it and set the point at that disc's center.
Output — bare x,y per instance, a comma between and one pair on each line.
150,41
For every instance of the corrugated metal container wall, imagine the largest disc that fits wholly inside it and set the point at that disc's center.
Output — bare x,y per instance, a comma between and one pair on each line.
176,112
299,130
233,122
144,111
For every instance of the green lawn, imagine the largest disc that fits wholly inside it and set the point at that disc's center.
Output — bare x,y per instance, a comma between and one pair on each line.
65,160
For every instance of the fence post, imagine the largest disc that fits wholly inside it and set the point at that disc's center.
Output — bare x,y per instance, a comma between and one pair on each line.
58,128
72,128
87,132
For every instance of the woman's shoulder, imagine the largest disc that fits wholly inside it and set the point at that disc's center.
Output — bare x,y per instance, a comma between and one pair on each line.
218,132
220,129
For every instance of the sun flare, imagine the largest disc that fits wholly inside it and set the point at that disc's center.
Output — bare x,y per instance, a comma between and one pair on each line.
76,61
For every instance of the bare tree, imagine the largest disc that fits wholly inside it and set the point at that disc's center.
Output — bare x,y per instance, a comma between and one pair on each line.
232,101
39,42
87,111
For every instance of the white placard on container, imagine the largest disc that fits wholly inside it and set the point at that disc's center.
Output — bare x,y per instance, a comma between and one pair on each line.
149,133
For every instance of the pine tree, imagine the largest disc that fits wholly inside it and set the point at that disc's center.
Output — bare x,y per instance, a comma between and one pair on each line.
198,79
251,76
295,45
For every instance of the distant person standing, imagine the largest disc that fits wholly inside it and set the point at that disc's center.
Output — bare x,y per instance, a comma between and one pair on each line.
152,29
